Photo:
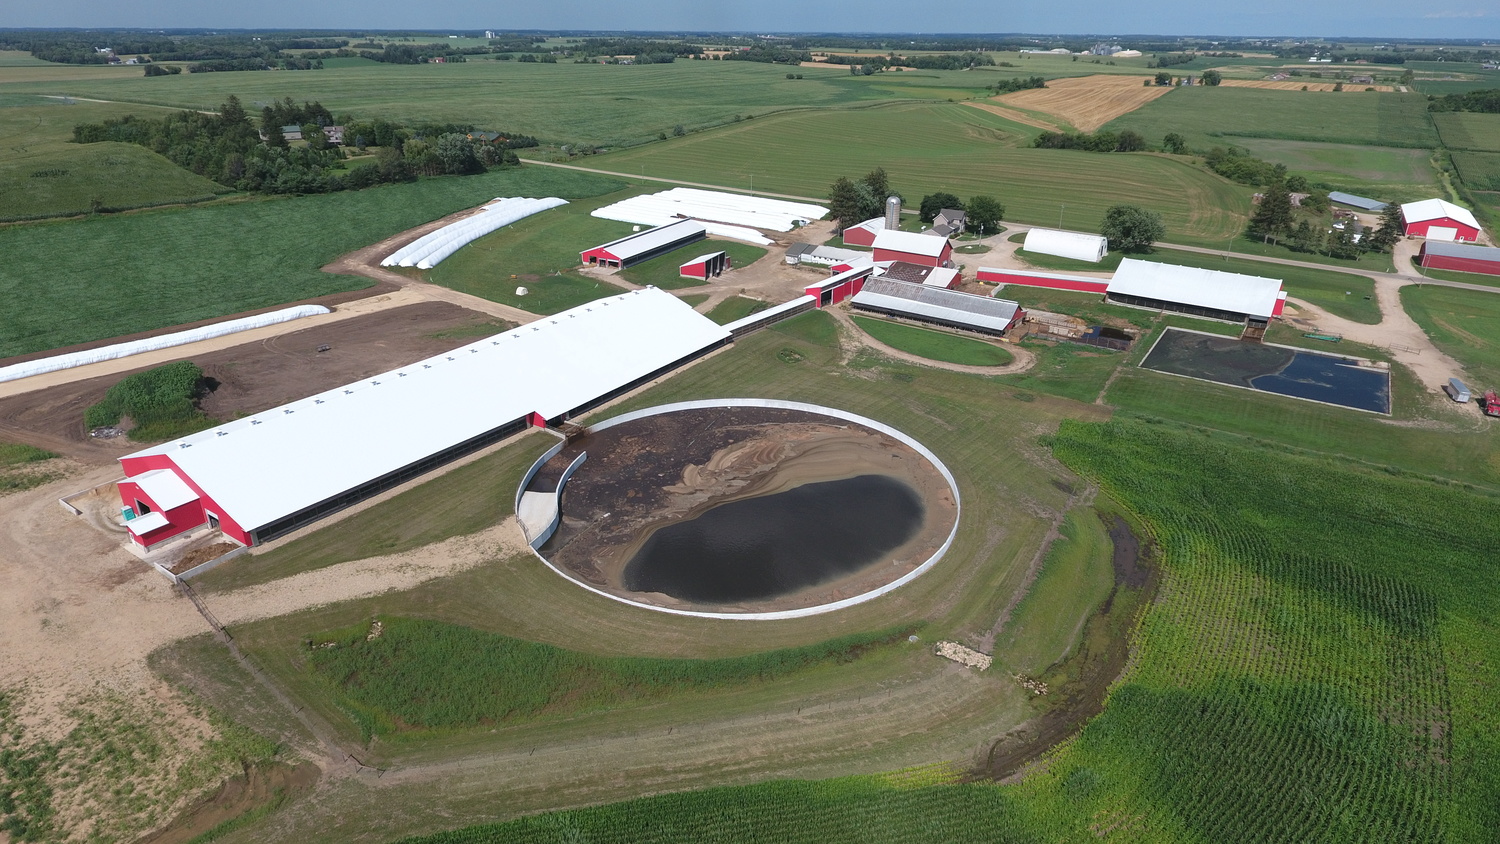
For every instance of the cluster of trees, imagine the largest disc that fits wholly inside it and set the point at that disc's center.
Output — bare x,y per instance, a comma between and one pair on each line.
1486,101
1275,221
769,55
1128,140
227,148
854,201
1020,83
983,213
1238,165
163,70
1131,228
1171,59
638,47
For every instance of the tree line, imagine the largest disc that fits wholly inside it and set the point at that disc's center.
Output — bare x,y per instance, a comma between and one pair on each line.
1486,102
227,148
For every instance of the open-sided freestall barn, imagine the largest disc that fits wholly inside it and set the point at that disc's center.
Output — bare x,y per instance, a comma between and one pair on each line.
643,246
265,475
935,305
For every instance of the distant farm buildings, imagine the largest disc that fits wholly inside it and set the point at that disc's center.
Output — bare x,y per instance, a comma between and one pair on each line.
1439,219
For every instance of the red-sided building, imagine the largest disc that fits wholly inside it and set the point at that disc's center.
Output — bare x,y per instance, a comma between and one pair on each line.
643,246
925,249
1053,281
708,266
1438,219
836,289
864,233
1463,257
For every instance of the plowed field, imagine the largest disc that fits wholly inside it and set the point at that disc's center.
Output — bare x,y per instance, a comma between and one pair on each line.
1086,102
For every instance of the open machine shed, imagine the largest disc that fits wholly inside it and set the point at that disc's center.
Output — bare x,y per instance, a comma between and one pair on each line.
265,475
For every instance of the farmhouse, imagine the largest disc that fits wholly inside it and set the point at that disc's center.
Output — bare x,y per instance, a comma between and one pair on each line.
1438,219
864,233
1213,294
1075,245
266,475
1463,257
892,245
707,266
982,314
948,222
643,246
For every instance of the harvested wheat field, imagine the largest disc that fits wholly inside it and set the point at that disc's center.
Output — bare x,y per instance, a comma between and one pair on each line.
1086,102
1298,84
1016,115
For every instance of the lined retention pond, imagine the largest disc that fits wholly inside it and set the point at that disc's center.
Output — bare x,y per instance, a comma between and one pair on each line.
778,544
1331,379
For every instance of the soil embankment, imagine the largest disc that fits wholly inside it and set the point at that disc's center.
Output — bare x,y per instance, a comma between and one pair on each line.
1085,677
670,468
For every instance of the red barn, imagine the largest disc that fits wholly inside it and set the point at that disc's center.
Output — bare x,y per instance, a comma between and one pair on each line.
864,233
708,266
1460,256
925,249
643,246
836,289
1053,281
1437,219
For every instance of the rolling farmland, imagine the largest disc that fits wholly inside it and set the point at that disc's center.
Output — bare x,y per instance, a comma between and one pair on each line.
1220,116
1310,672
223,258
1469,130
607,105
1086,102
927,148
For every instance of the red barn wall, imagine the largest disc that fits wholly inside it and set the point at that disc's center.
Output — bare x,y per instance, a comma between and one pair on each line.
1022,278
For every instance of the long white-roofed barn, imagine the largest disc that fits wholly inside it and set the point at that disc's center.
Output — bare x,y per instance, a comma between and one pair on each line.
643,246
265,475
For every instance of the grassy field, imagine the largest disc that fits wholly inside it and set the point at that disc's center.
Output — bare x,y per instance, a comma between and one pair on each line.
43,173
1469,130
1075,579
1479,170
934,345
932,147
1210,117
1463,323
987,435
23,467
606,105
418,676
74,282
1466,278
1320,665
664,270
736,307
1400,173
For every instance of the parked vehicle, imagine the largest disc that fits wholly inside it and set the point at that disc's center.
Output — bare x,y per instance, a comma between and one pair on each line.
1457,391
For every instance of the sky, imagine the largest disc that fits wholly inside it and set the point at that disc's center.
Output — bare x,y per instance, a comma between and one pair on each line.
1394,19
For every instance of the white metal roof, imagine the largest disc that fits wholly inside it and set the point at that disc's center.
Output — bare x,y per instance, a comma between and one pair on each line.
941,277
701,259
652,239
729,215
164,487
1435,209
275,463
1244,294
874,224
1076,245
910,243
936,303
142,525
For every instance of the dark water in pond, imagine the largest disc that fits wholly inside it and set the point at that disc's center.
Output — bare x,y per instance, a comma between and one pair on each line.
1326,379
777,544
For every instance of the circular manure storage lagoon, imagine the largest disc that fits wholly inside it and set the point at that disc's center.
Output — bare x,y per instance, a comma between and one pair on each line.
744,509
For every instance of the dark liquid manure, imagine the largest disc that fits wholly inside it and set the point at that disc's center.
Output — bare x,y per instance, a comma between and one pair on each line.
777,544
